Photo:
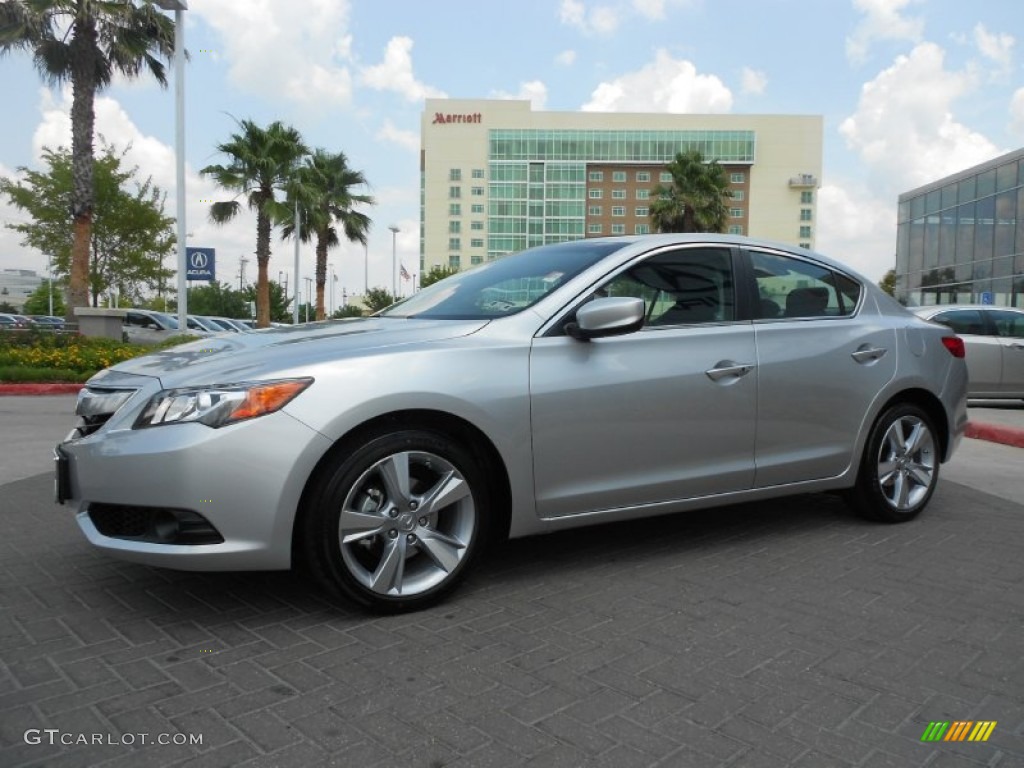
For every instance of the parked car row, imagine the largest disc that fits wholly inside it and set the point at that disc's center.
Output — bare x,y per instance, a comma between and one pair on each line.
994,338
12,322
144,326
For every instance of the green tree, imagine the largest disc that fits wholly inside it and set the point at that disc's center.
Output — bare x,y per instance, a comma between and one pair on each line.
130,235
436,273
278,303
38,303
377,299
262,163
888,282
696,200
219,300
7,308
326,200
86,42
349,310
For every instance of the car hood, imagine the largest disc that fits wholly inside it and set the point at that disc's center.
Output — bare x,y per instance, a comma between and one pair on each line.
237,356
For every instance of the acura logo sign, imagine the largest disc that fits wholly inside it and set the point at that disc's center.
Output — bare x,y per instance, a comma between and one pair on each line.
201,263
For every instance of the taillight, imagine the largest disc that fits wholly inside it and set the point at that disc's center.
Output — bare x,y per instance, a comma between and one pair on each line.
955,345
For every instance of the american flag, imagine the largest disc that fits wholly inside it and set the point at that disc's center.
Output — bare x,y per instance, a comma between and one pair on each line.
404,273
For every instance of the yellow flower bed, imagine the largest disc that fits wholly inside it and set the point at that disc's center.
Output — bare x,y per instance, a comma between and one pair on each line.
66,352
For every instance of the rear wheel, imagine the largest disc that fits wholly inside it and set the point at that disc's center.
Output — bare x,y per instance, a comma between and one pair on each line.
398,521
900,466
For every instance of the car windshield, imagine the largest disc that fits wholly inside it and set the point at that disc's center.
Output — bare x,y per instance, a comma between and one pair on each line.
506,286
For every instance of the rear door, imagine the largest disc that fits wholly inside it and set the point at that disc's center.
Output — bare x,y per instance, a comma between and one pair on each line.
822,359
1009,328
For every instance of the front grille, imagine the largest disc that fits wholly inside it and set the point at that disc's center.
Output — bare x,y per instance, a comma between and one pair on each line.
158,525
96,405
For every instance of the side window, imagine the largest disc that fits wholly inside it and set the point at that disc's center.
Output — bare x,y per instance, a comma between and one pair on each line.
1008,324
689,285
789,287
967,321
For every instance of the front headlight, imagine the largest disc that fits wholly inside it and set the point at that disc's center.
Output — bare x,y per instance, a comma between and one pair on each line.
216,406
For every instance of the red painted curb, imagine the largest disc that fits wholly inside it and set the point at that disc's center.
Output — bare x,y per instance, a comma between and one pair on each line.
55,388
996,434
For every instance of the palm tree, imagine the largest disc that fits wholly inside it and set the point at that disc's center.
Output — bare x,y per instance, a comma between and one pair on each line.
695,201
262,163
86,42
324,188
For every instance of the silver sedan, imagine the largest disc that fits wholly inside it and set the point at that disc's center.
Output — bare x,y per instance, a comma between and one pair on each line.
571,384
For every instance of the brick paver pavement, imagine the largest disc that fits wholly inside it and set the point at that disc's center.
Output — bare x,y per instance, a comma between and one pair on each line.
778,634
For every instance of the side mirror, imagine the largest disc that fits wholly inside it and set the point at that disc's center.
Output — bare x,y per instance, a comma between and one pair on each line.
611,316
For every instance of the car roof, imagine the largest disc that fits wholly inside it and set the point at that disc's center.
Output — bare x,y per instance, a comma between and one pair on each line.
936,308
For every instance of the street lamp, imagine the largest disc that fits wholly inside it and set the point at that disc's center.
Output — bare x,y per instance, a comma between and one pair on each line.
394,264
333,278
179,7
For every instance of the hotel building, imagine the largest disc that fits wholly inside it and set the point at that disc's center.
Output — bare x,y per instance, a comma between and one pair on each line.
498,177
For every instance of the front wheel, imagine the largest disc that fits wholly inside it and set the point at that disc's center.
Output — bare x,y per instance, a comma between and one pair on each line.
900,466
397,523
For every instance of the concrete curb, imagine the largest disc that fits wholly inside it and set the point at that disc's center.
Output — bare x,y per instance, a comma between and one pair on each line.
993,433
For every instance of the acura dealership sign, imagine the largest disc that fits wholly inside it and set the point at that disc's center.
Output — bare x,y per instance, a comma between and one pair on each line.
201,263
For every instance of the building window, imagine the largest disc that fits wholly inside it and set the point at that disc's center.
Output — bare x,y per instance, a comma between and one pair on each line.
643,194
455,174
595,176
454,192
454,261
805,231
618,229
643,176
454,209
454,227
476,259
806,197
665,177
618,194
454,243
642,211
476,225
595,210
805,214
618,176
594,229
642,229
738,178
477,208
595,194
735,229
478,191
805,245
618,210
738,195
478,173
476,242
736,213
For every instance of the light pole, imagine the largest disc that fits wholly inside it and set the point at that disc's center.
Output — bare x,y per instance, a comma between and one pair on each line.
298,236
394,264
366,268
309,290
333,278
179,7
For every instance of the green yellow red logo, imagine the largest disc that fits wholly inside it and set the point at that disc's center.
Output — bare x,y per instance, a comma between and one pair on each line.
959,730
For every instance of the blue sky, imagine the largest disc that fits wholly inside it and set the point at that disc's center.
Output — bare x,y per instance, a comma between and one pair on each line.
910,90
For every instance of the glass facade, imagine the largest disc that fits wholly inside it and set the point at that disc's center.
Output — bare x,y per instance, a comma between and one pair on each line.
961,239
537,179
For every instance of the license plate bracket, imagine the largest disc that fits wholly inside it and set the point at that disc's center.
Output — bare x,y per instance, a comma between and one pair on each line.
61,476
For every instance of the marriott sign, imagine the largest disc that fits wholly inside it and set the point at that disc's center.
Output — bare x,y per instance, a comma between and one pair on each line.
441,117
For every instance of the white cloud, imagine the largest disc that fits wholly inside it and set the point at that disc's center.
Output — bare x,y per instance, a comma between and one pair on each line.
395,73
664,85
297,50
754,81
996,46
533,91
904,129
603,20
651,9
857,228
884,20
407,139
566,58
1017,113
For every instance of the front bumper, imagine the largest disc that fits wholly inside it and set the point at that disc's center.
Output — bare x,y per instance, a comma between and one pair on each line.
245,479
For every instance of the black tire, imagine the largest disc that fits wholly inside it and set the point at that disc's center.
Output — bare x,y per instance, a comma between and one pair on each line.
397,522
900,466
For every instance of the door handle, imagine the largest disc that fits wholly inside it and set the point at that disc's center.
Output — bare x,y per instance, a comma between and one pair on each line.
726,368
867,354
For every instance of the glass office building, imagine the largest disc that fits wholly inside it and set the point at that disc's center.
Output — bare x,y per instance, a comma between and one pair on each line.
497,177
960,240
